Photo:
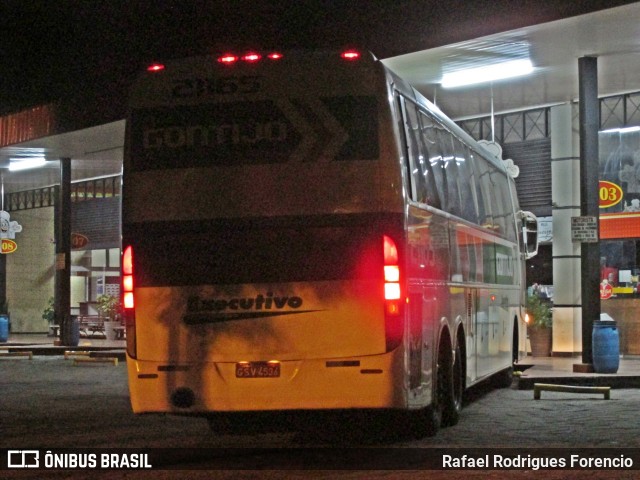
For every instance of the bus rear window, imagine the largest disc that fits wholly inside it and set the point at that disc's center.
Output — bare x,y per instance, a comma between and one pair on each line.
236,252
256,132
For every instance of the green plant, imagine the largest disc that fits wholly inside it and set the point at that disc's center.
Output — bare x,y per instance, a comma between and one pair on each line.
49,312
109,306
539,313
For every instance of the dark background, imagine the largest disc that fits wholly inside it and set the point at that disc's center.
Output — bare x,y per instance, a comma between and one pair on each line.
90,49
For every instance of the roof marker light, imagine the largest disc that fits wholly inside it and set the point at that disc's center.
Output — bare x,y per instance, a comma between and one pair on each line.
350,55
251,57
227,59
155,67
275,56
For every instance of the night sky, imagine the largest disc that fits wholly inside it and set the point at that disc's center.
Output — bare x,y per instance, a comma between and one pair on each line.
58,49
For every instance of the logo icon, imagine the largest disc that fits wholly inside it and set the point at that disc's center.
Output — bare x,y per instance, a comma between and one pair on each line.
23,459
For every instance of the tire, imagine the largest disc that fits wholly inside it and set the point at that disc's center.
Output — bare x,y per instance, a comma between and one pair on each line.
450,386
452,415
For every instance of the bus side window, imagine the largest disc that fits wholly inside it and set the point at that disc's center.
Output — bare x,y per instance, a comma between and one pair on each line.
459,178
411,133
498,205
448,175
476,187
423,188
433,162
450,172
466,182
506,206
483,181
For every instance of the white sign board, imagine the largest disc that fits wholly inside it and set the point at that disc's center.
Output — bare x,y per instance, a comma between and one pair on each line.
584,229
545,229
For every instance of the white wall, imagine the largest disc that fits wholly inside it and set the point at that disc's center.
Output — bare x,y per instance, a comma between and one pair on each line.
30,270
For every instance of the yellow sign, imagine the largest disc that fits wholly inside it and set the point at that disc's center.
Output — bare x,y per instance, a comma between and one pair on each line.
8,246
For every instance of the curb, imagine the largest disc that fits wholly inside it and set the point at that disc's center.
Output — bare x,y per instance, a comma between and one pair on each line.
93,352
613,381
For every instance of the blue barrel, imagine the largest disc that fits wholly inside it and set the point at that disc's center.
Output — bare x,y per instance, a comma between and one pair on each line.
606,347
4,328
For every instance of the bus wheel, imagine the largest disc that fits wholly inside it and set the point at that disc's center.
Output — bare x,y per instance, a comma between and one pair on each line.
450,386
457,388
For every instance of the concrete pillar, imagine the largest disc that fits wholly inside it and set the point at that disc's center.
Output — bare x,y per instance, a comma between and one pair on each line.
565,196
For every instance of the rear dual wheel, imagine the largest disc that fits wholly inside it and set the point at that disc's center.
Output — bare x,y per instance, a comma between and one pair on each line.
449,388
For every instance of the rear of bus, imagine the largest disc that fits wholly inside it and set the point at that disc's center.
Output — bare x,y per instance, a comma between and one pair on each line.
262,234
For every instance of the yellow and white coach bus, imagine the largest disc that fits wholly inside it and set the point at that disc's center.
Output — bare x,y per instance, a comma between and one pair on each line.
305,232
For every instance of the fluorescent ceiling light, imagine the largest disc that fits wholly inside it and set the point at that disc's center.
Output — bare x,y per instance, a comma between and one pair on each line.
487,73
621,130
16,164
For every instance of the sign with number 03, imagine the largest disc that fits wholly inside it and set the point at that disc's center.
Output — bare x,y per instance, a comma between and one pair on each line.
610,194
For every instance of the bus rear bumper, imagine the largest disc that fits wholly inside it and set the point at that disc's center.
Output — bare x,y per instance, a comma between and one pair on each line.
371,382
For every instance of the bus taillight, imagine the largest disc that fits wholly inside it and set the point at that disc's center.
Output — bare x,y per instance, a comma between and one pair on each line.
127,278
155,67
350,55
128,300
251,57
392,294
228,59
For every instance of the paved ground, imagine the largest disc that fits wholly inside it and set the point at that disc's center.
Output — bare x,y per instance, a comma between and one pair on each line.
49,403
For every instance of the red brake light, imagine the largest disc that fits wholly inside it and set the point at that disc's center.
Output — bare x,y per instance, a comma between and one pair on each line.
391,270
127,277
392,294
228,58
127,261
251,57
155,67
390,251
350,55
128,300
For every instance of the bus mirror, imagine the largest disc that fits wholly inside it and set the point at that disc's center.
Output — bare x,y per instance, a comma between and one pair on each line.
529,234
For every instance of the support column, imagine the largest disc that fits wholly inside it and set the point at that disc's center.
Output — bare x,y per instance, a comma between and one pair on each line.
62,303
589,202
565,196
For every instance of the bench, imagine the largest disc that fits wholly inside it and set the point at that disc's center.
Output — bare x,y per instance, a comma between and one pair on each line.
90,325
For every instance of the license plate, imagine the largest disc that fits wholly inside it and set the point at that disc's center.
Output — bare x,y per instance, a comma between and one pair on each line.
257,370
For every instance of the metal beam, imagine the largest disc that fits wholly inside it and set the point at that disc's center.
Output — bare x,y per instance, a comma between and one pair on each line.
62,303
589,119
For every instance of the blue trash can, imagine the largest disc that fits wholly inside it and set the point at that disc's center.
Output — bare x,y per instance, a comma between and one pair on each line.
605,346
4,328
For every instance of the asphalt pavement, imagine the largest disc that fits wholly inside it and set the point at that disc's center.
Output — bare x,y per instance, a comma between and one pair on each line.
51,402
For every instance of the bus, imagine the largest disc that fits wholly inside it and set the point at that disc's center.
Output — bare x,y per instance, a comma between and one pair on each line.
304,232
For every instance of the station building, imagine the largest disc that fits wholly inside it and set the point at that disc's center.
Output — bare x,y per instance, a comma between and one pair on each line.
535,118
